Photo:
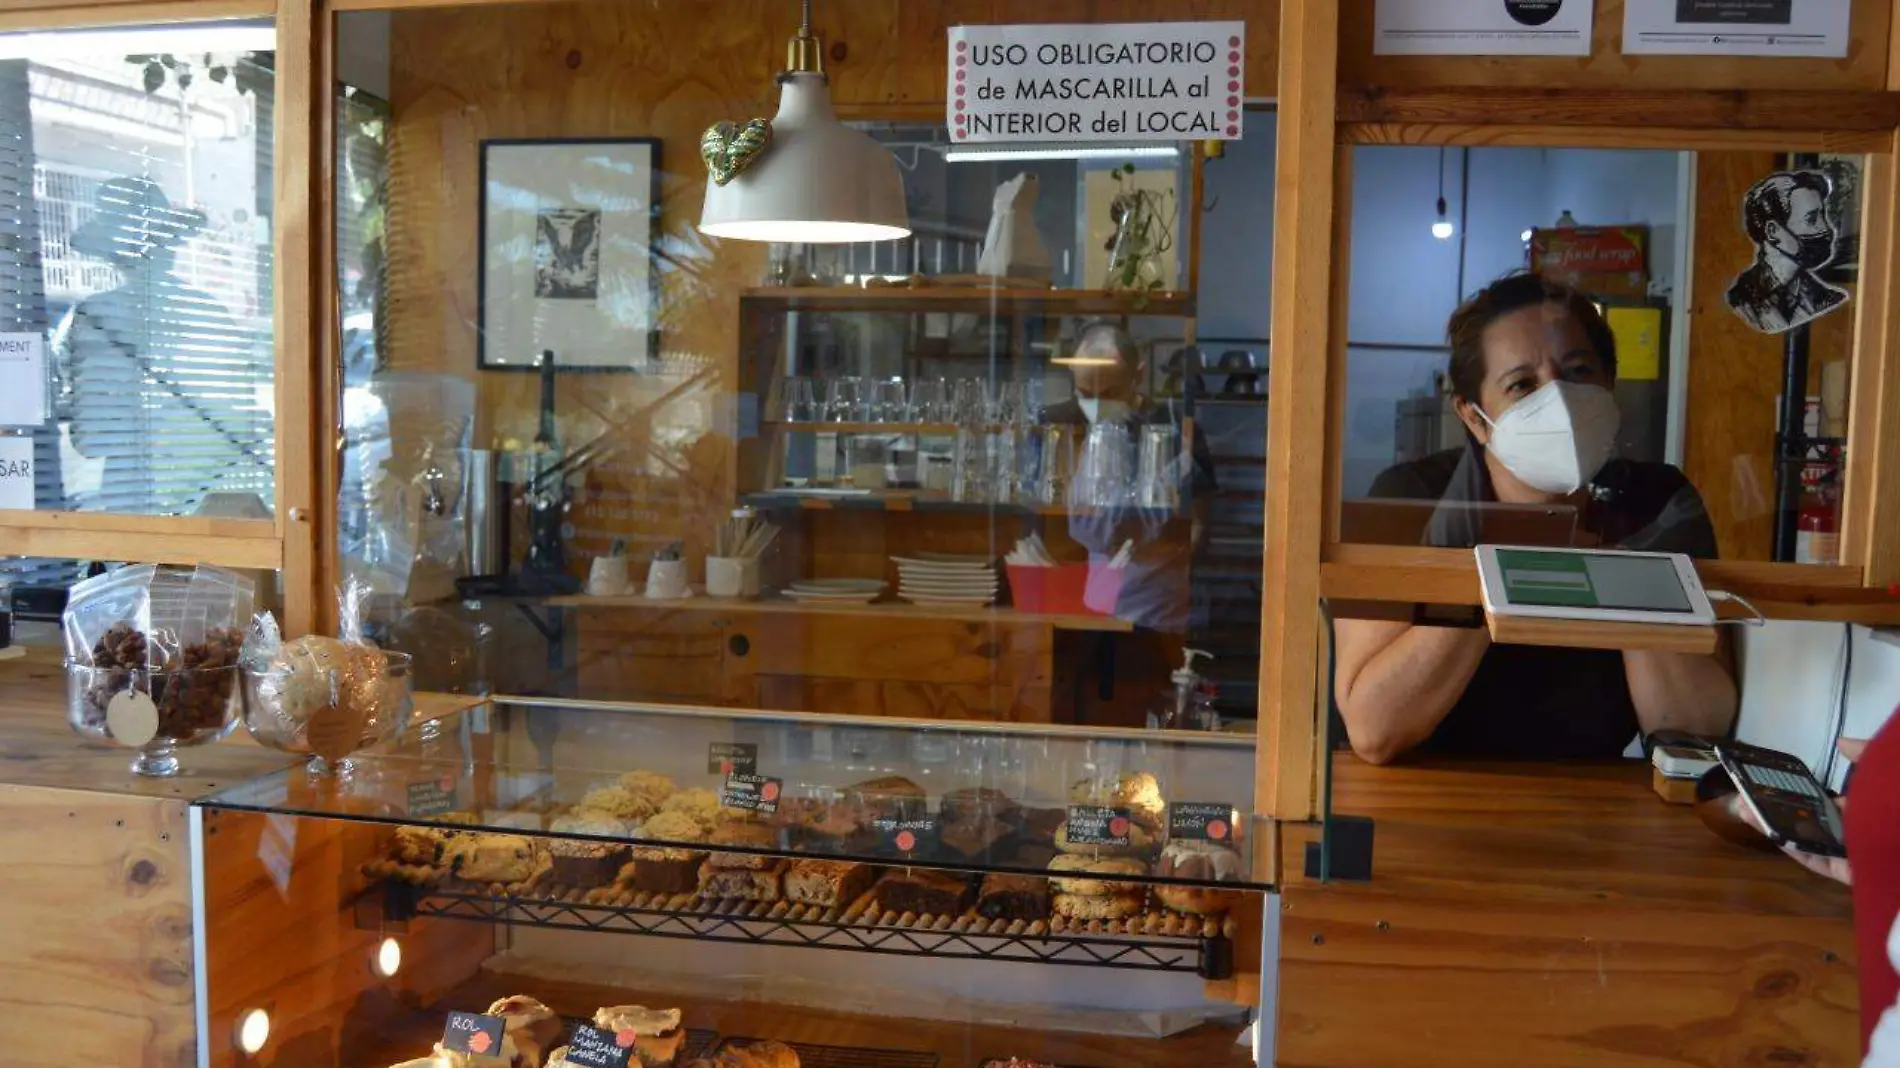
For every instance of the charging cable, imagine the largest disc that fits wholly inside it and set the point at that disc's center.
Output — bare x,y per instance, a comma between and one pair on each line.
1724,595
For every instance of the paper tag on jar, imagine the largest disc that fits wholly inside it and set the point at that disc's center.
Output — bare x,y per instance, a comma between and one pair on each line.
132,718
335,731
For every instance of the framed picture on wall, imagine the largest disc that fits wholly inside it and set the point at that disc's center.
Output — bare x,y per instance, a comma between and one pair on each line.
567,263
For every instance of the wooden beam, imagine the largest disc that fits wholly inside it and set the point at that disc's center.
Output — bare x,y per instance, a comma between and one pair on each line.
1450,576
151,547
59,16
1742,109
1870,528
139,525
1664,138
1286,775
1338,353
301,513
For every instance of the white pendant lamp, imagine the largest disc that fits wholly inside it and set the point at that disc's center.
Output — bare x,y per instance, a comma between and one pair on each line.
815,180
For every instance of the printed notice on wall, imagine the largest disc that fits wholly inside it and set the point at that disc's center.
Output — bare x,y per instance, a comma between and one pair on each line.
1736,27
1149,81
1483,27
16,472
22,380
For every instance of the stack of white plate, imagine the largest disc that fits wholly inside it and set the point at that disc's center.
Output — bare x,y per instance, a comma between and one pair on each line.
943,579
835,591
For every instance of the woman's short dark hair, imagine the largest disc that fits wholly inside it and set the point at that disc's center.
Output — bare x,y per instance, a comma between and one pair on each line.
1520,289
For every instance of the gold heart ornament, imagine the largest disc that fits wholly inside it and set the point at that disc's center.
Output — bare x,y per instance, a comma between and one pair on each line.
729,148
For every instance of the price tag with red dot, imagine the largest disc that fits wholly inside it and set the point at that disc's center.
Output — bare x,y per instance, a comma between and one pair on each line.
1097,825
591,1047
908,837
1203,821
724,758
473,1032
750,793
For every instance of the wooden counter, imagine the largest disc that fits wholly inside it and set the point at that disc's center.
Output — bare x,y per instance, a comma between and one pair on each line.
97,945
1558,915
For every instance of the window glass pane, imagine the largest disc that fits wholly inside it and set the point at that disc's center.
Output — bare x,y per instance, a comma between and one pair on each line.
135,188
1656,391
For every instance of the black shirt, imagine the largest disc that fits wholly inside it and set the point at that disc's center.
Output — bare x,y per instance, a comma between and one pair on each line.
1534,702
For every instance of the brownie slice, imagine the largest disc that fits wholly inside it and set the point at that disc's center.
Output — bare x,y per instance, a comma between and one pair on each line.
746,884
827,883
974,840
978,805
586,864
666,871
923,891
1013,897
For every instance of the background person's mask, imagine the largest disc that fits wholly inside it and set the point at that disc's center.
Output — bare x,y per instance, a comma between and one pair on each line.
1558,438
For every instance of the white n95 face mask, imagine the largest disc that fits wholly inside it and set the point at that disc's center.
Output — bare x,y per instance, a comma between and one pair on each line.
1558,438
1096,410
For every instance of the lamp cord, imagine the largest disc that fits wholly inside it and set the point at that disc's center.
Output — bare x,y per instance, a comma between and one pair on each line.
804,18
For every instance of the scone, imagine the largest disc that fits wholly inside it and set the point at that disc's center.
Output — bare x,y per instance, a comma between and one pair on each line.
1140,843
491,858
1076,862
650,785
1088,907
618,801
827,883
657,1034
698,804
766,1054
1136,791
417,845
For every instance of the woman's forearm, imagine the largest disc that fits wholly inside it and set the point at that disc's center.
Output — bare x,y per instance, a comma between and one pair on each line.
1681,691
1404,690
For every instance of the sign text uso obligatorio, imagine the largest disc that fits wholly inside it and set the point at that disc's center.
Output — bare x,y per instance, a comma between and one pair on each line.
1156,81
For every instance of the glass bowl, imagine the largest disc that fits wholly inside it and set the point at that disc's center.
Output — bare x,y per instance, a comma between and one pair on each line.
281,706
155,711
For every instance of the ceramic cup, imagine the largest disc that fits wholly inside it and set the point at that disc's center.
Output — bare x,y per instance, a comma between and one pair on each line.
666,581
732,576
607,577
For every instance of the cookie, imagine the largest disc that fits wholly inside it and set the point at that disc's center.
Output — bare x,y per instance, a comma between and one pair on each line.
1075,862
1111,907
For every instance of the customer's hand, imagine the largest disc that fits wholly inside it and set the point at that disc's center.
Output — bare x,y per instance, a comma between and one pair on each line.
1835,868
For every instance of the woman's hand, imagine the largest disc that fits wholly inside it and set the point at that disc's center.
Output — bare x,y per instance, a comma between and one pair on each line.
1835,868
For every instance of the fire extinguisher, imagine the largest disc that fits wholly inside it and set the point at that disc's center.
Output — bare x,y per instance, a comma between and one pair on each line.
1817,537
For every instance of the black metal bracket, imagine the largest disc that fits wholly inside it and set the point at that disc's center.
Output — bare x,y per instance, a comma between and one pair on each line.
1209,958
1344,851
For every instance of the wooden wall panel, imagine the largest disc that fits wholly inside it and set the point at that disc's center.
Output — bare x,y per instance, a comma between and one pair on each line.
95,949
1864,67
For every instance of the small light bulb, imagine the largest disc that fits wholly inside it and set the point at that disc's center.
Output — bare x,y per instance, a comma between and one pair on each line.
1442,229
1525,237
388,958
253,1030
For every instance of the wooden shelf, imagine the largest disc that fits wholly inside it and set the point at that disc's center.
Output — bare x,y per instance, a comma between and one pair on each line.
772,604
822,427
903,501
968,299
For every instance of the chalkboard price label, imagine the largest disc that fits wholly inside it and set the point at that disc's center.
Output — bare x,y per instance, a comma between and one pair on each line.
1098,825
908,836
725,758
750,793
472,1032
1201,821
593,1048
433,797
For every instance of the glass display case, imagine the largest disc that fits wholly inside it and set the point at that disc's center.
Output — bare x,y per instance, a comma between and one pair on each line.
869,891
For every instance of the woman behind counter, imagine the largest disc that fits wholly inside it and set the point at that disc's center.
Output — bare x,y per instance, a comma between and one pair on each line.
1532,365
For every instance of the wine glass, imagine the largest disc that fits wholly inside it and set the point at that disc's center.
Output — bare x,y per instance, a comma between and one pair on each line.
845,403
887,401
930,400
798,400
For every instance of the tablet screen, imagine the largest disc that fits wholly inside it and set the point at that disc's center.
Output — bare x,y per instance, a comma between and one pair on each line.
1533,578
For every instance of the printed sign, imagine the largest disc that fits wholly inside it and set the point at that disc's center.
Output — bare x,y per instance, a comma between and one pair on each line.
22,380
908,836
432,798
1604,261
1736,28
1097,825
1482,27
591,1047
1786,216
1131,81
472,1032
724,758
1202,821
750,793
16,472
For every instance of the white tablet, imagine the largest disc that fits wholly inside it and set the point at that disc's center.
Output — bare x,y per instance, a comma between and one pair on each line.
1609,585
